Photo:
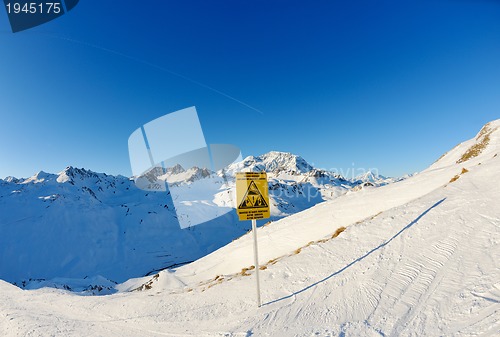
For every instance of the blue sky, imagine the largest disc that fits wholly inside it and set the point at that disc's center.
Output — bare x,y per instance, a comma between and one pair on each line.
365,84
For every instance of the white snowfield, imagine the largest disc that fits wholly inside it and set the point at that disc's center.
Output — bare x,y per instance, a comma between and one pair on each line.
419,257
78,224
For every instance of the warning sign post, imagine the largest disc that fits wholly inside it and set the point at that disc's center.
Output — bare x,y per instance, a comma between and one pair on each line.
253,203
252,195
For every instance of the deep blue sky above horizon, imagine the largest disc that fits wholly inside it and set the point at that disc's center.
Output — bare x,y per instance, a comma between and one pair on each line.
389,85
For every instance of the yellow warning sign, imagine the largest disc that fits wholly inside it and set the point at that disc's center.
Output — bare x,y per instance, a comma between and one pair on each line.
252,196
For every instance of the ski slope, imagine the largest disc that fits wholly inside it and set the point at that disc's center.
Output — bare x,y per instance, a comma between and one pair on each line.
79,224
417,258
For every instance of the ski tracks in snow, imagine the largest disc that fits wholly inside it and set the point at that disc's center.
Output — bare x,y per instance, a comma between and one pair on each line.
408,291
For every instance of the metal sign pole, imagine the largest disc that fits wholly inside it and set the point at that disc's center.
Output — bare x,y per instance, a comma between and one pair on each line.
252,194
256,256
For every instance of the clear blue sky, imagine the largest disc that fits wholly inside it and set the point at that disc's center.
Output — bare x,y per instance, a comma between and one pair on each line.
373,84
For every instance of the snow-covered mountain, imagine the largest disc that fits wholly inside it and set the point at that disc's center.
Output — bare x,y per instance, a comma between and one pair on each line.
274,163
478,155
296,185
80,223
414,258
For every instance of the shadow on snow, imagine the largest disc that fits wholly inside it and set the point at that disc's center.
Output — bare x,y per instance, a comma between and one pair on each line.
360,258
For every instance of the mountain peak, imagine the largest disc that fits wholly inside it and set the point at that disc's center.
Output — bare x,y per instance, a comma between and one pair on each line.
276,162
39,177
71,173
11,179
370,176
483,146
176,169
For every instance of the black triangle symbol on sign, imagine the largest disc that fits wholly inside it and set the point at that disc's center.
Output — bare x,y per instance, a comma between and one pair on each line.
253,198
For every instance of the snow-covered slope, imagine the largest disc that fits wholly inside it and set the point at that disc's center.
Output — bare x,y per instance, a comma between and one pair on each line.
417,258
79,223
284,236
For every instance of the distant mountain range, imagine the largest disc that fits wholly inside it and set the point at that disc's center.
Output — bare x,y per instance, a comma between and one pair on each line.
79,223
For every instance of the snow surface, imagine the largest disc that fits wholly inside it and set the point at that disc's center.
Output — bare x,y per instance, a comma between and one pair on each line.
417,258
79,224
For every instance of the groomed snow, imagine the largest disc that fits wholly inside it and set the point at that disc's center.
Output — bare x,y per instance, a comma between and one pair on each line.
418,258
